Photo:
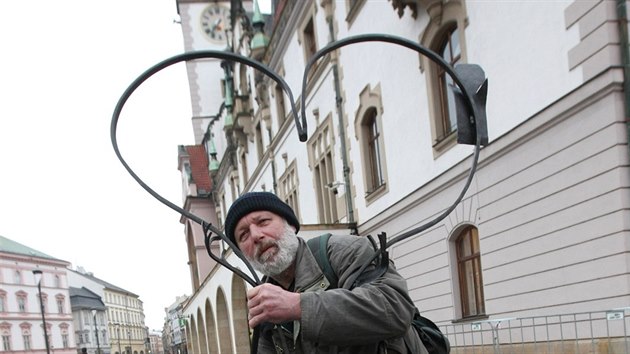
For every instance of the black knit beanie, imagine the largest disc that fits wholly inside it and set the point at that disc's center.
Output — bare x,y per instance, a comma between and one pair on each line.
256,201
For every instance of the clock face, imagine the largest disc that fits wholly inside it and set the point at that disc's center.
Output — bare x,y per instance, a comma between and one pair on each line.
214,21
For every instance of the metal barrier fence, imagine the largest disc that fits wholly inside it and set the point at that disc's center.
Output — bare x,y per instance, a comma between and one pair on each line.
578,333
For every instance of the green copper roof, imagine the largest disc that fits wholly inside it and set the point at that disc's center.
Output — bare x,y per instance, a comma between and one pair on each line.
260,40
10,246
214,164
229,101
212,149
229,121
257,17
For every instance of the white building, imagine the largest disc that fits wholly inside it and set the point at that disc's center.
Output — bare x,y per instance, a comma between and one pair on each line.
174,333
542,231
122,317
21,322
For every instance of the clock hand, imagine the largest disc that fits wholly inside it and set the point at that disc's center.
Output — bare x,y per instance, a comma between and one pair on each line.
216,24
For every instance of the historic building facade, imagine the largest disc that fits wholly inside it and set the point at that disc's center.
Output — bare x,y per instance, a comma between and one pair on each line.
542,229
80,310
22,316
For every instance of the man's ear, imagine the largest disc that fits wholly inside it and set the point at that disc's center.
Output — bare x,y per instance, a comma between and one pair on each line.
291,226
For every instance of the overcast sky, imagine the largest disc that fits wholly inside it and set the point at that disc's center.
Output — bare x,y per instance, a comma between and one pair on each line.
63,67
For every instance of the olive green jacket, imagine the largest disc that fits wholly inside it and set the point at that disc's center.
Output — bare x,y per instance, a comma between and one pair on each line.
372,318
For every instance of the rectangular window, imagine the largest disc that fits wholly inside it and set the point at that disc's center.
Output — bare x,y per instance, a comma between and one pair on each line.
280,105
3,306
60,305
259,142
27,341
244,167
64,340
6,342
310,44
21,304
308,40
451,52
289,188
374,153
324,176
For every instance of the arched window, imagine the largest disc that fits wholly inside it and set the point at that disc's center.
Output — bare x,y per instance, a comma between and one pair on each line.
469,271
369,132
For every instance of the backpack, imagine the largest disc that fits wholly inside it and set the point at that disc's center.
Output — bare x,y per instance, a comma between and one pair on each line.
433,339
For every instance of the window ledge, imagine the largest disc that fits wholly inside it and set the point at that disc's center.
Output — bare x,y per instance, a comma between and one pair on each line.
471,319
440,146
375,194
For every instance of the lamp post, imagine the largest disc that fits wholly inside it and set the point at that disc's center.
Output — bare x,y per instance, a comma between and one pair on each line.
129,336
118,333
98,345
38,278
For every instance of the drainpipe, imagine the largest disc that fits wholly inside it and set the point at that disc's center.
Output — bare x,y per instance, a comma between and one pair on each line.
340,114
622,20
273,167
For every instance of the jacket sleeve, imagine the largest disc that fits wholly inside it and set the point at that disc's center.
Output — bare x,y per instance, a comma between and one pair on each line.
368,313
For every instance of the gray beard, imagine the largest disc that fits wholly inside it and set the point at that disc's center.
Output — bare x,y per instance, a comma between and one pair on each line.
287,249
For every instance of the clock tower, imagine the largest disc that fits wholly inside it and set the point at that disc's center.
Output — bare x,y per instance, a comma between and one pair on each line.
204,25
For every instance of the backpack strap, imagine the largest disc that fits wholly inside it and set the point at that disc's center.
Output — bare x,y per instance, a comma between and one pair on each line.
319,248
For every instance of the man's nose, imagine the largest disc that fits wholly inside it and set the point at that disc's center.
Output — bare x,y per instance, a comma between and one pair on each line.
256,233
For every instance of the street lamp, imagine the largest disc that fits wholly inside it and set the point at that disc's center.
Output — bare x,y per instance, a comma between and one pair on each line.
129,336
38,278
118,333
98,345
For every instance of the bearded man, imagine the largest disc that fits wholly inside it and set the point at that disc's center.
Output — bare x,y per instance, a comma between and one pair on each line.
297,315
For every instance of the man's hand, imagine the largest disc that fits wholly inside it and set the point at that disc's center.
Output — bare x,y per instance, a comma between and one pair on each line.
271,303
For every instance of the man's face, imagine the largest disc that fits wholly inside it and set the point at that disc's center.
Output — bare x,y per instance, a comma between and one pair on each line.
267,241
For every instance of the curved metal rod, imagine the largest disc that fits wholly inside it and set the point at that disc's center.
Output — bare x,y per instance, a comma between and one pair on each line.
208,54
208,239
451,72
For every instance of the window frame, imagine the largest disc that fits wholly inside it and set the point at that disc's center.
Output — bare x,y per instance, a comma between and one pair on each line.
3,302
322,164
281,110
308,39
448,15
22,301
353,7
26,341
469,234
370,102
6,342
289,190
61,304
446,110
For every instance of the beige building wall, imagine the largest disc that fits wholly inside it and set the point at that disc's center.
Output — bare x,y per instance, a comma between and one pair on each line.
550,195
